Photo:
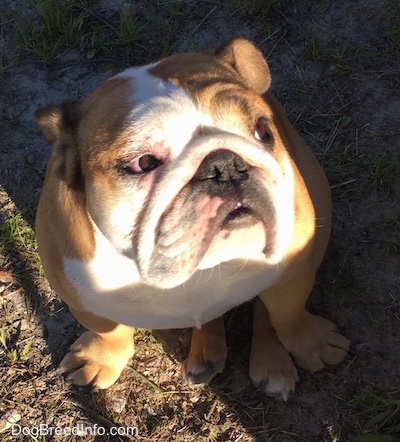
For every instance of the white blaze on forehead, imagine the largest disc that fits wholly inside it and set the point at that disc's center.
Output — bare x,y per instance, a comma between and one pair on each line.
162,111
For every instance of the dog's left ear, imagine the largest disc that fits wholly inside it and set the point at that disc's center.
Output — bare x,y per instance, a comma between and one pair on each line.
55,121
248,61
60,125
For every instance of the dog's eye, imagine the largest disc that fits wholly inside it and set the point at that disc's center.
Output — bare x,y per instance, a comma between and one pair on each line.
262,131
144,164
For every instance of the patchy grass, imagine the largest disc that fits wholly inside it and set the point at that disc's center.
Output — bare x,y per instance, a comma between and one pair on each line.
336,54
14,353
384,171
18,243
315,47
381,415
73,24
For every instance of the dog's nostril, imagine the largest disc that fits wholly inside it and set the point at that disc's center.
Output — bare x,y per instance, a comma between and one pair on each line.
240,164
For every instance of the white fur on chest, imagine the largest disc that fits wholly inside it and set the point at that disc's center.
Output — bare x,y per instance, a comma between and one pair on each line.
109,285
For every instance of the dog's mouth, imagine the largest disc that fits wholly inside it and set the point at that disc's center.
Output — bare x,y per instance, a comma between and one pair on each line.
207,230
246,232
240,216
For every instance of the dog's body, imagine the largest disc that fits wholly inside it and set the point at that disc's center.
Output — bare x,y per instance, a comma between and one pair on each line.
176,192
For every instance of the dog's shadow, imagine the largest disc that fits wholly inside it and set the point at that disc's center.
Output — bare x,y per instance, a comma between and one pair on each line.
176,342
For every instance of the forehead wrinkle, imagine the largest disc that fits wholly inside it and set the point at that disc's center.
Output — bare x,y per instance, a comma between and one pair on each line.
171,119
222,95
229,106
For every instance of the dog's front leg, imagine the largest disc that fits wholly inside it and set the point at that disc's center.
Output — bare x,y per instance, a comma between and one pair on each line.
314,342
270,367
99,355
207,353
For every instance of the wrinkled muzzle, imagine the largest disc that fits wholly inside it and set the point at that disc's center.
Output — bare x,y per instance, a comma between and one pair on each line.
209,212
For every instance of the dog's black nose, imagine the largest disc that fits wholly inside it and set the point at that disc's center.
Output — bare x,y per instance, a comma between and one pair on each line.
223,167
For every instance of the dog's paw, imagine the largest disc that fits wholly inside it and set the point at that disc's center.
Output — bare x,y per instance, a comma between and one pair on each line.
95,361
201,366
317,344
272,371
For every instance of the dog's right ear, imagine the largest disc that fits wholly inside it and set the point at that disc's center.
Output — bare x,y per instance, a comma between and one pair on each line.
60,125
248,61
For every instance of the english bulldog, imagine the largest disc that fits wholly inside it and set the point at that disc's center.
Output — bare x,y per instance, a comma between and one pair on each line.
175,192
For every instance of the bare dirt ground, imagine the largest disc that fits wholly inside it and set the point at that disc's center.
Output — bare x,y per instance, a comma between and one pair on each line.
336,69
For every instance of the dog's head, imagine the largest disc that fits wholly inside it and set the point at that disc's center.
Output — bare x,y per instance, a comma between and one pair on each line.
181,162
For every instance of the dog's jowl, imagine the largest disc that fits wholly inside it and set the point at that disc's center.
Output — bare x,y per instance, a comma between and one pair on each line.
175,192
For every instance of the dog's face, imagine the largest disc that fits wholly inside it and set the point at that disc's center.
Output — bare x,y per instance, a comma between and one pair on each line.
181,163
